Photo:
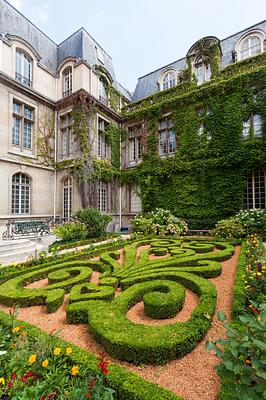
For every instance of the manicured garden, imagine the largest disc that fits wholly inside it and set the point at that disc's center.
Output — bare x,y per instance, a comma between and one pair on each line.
102,287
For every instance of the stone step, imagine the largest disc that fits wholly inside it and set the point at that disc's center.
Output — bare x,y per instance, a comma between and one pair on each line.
14,245
19,252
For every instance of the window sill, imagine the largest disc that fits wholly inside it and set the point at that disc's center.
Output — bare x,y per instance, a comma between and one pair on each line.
23,153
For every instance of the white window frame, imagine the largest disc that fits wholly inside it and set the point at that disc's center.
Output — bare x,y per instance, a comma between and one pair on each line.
168,79
254,121
255,190
202,71
102,145
259,34
67,81
164,134
67,197
65,135
23,117
20,191
135,143
102,198
24,67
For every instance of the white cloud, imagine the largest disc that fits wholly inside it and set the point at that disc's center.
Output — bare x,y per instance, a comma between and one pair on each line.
43,13
18,4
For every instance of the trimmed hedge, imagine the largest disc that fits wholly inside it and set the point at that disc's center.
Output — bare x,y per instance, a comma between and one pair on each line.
151,344
166,301
128,386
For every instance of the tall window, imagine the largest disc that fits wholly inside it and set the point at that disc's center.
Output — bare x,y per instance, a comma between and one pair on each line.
20,194
255,190
102,145
202,71
103,97
250,47
167,139
67,198
135,201
135,145
254,122
66,136
67,82
102,200
168,80
23,68
23,124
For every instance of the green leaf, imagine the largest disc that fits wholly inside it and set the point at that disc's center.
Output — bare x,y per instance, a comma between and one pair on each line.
221,316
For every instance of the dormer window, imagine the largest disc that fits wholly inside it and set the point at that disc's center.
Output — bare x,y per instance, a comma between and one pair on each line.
168,80
67,82
23,68
103,96
249,45
202,70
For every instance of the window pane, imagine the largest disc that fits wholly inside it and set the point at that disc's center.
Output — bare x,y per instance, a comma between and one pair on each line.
28,113
16,108
20,194
27,134
16,131
257,125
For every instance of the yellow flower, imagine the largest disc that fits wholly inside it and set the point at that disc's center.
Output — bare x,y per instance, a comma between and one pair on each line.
68,351
45,363
74,370
13,345
57,351
2,381
32,359
16,329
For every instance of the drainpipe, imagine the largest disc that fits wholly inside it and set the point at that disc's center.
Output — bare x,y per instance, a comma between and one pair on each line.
120,187
55,151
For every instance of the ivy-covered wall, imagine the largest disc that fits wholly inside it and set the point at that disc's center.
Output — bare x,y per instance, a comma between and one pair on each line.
206,177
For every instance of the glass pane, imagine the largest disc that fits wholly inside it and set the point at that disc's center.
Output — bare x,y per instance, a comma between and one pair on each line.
17,108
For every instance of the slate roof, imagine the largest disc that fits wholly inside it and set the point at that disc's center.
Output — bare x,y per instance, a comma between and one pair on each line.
79,45
148,84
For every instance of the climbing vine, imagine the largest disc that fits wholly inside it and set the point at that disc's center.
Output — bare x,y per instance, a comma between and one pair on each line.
206,177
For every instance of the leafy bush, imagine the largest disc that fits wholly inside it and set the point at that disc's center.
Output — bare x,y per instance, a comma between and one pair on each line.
244,223
243,368
95,222
159,222
71,231
34,369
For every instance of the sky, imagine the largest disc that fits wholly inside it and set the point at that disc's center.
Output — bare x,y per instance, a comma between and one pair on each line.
142,35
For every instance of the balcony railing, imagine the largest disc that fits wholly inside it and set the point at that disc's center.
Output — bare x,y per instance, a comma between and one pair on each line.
22,79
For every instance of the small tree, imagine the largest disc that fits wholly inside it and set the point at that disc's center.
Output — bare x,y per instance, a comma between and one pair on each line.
95,222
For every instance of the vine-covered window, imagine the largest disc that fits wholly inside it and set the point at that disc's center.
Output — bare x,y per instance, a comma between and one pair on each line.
202,70
253,123
66,135
102,145
20,194
135,144
103,96
23,126
102,197
167,138
168,80
255,190
67,82
203,134
67,198
250,47
23,68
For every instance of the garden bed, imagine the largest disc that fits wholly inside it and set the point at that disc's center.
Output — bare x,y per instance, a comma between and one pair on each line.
192,376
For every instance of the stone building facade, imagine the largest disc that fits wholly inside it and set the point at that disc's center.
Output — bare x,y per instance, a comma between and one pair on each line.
40,83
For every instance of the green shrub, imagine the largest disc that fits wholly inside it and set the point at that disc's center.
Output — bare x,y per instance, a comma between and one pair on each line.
243,367
159,222
71,231
229,228
95,222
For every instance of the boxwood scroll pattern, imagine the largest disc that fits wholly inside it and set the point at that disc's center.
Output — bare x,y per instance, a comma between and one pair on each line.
160,282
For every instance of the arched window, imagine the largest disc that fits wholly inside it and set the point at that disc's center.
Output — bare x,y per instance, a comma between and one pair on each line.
250,47
20,194
103,97
67,81
168,80
202,70
67,198
23,68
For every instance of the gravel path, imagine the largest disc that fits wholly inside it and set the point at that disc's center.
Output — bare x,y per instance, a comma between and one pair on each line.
192,376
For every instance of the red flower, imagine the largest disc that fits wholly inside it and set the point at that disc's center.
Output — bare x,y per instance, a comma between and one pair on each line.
10,384
23,378
13,376
30,374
